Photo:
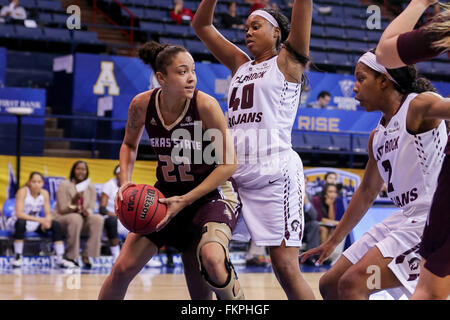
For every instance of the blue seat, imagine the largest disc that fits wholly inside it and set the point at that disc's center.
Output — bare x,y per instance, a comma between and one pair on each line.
7,31
342,142
152,27
442,57
85,37
373,35
355,22
158,15
319,57
318,19
142,3
335,32
242,11
28,4
193,5
298,140
336,44
60,35
357,46
179,30
360,144
173,41
318,141
29,33
425,67
221,8
9,207
337,11
138,13
339,59
354,12
317,31
441,68
318,42
49,5
230,34
333,20
60,18
45,17
196,46
355,34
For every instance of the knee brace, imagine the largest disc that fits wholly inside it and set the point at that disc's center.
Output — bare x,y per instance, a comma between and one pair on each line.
225,291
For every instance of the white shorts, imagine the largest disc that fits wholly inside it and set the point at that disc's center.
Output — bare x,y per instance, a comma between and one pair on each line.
121,229
398,237
272,203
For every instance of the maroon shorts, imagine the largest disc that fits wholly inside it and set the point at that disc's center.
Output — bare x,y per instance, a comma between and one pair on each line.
435,246
221,205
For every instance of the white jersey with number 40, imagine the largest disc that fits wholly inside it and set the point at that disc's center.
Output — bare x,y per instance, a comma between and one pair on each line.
262,107
409,163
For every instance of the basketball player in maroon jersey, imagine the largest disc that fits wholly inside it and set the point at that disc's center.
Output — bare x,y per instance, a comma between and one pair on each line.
202,202
400,45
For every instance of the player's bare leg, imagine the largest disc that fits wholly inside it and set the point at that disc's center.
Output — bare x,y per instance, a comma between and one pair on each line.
287,270
136,252
430,286
328,284
198,289
353,285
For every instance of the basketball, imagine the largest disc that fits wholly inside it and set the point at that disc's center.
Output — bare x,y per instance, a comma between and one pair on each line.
140,211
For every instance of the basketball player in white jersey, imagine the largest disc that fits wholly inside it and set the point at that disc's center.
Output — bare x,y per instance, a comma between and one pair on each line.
263,99
400,45
406,152
30,200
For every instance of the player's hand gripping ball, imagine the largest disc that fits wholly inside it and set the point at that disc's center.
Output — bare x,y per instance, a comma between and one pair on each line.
140,211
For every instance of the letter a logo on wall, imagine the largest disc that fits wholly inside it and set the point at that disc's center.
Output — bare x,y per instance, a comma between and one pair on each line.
107,79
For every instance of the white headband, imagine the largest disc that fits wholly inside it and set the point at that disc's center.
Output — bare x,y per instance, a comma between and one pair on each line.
370,60
266,16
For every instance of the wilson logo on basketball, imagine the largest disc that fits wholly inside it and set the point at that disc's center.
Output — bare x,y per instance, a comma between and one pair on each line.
149,198
132,200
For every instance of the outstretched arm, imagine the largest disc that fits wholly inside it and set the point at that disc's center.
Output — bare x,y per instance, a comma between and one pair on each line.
298,40
387,53
226,52
426,112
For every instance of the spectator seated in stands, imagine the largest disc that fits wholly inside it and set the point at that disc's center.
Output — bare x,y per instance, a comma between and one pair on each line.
312,226
113,226
326,207
31,199
12,12
75,203
230,20
179,14
323,99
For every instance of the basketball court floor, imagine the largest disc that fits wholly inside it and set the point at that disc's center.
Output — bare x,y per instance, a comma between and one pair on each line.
153,283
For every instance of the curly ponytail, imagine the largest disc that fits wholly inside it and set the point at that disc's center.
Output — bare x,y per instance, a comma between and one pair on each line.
158,55
409,81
